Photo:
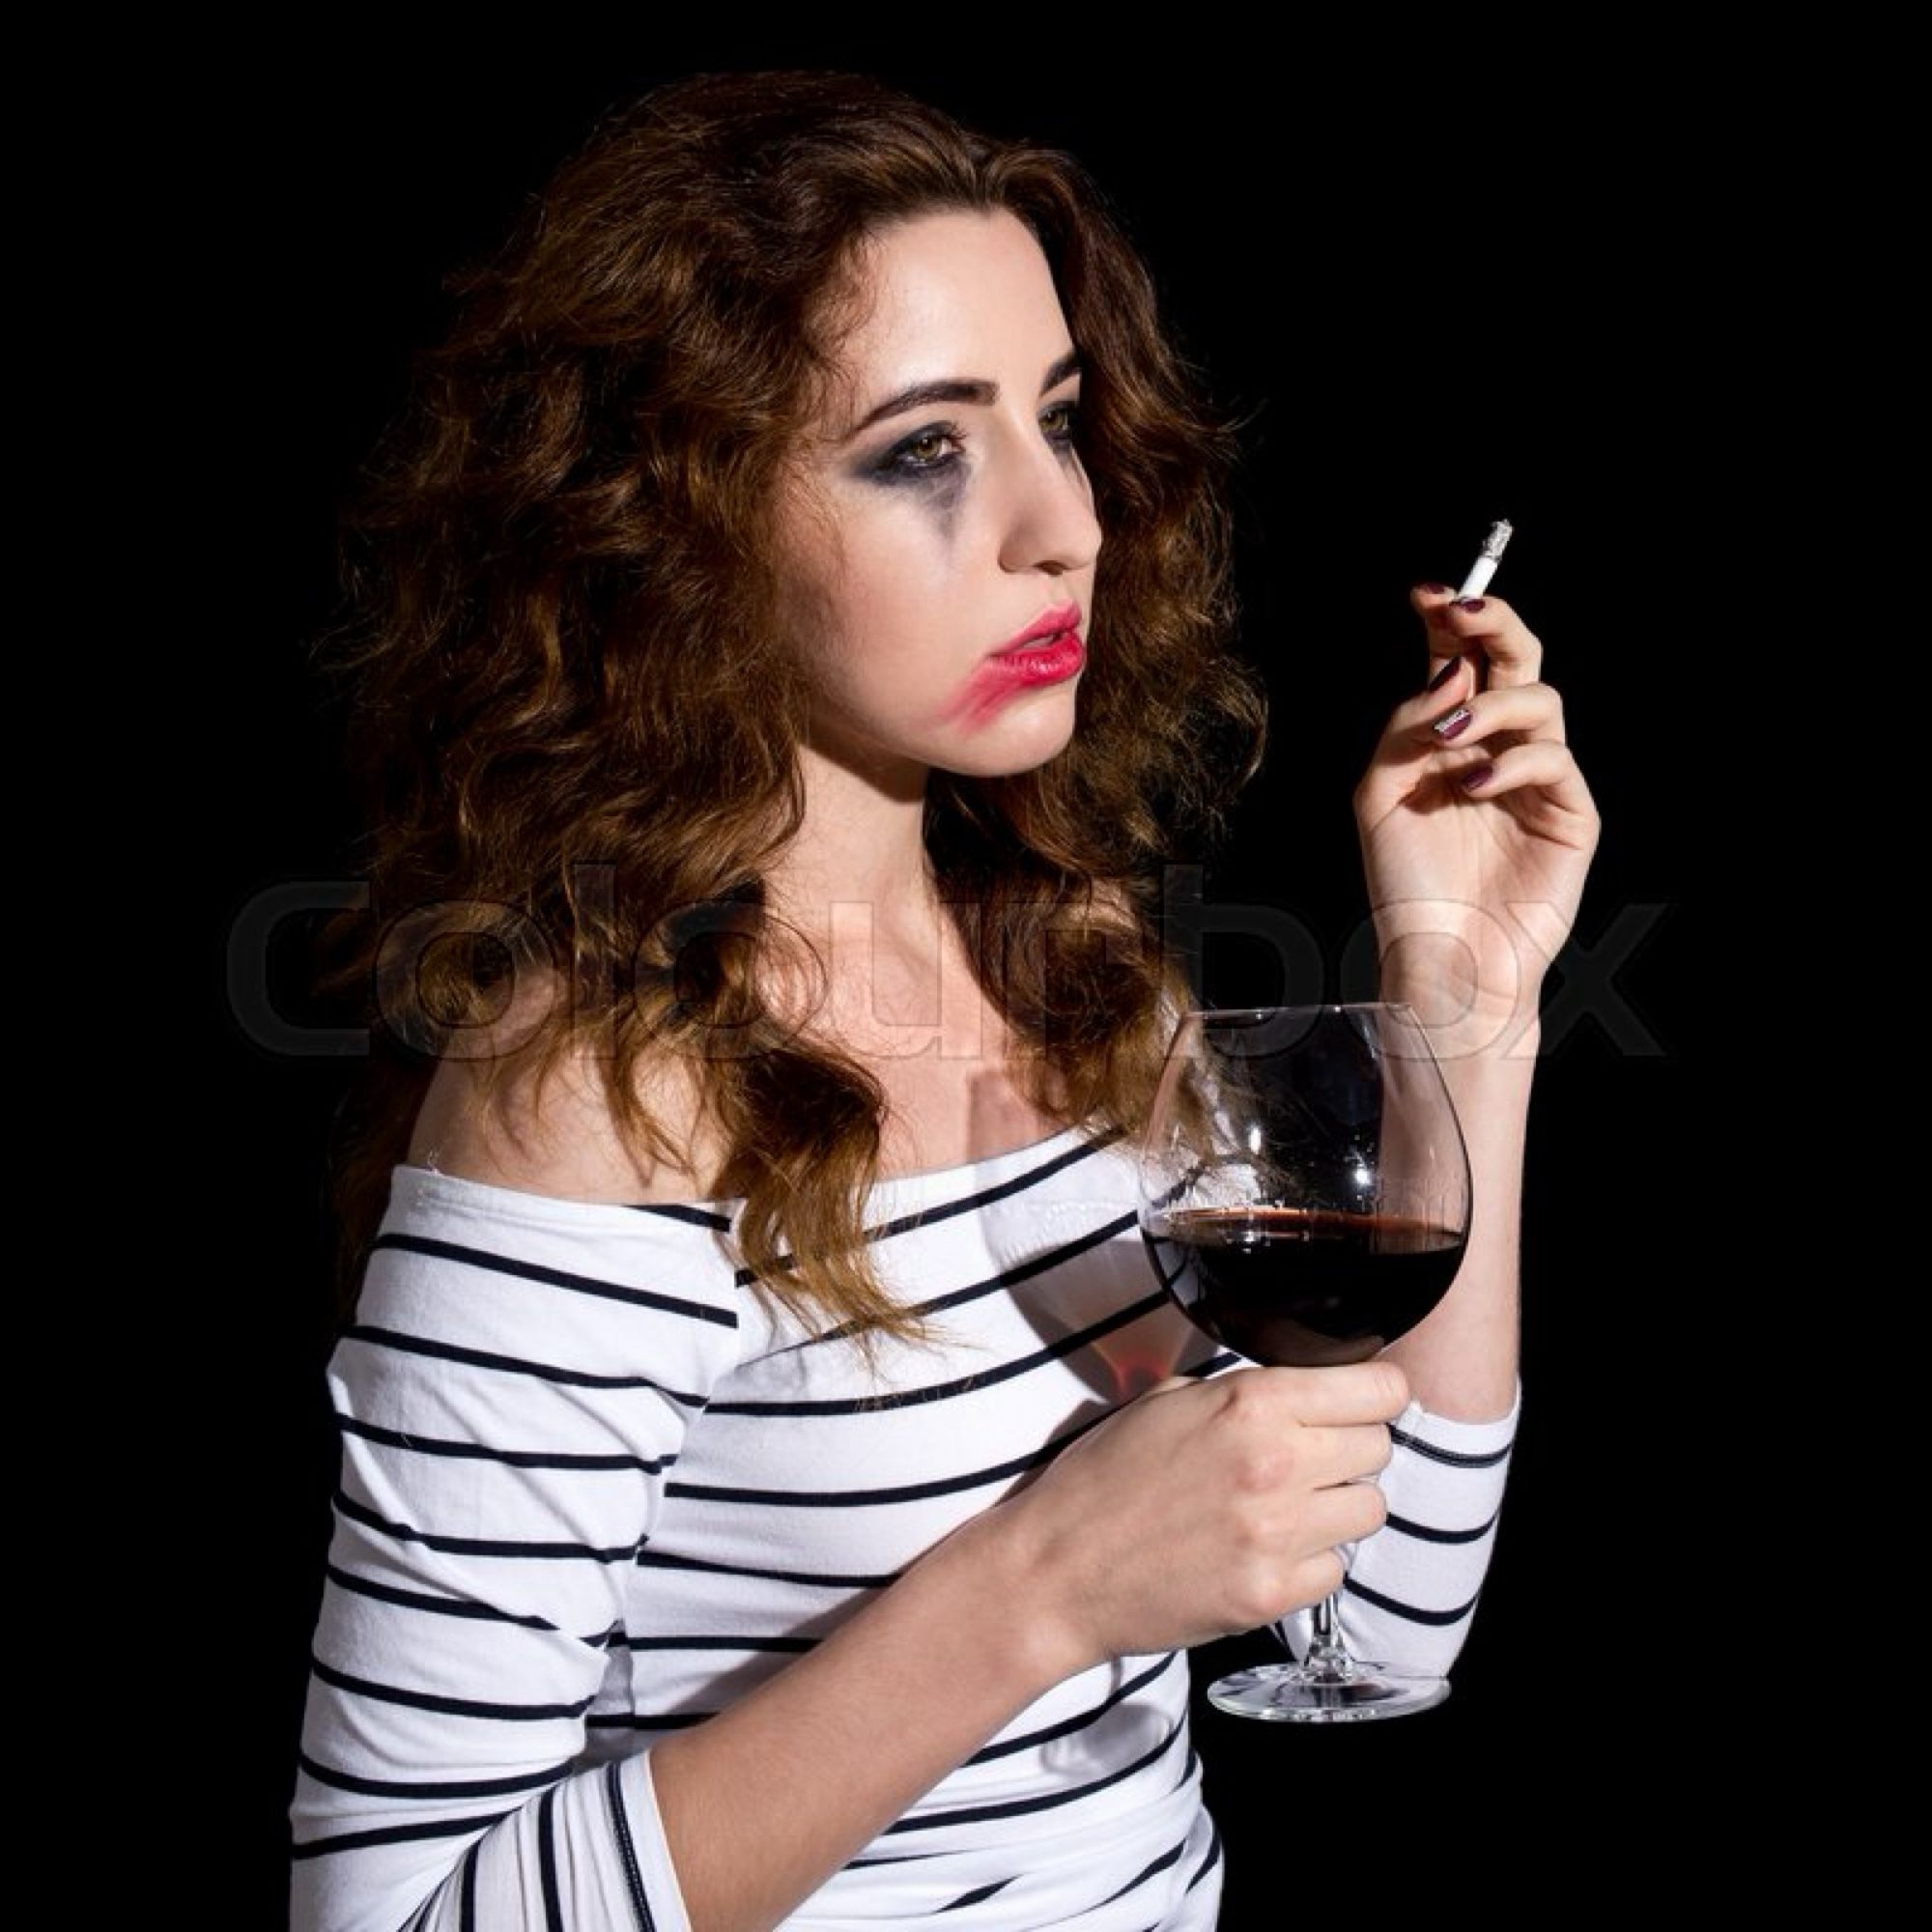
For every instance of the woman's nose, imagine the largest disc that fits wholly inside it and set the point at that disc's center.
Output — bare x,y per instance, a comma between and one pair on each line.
1050,523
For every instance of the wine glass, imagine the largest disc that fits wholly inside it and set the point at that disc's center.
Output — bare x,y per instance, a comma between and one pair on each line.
1305,1200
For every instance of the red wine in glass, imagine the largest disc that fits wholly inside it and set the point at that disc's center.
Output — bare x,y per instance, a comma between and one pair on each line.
1305,1286
1305,1199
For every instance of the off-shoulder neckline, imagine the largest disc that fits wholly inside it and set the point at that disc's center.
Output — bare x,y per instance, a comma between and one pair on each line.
984,1169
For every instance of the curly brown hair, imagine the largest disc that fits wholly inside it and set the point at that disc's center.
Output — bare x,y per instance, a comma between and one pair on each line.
562,569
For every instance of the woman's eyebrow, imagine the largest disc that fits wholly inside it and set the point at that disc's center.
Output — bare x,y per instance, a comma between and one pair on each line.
946,390
956,390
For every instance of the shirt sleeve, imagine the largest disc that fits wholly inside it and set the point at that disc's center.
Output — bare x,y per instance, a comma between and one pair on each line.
518,1381
1411,1588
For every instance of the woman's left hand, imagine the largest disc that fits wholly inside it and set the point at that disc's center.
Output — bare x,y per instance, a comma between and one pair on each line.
1477,828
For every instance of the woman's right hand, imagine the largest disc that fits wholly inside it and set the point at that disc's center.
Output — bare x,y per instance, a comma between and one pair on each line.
1202,1509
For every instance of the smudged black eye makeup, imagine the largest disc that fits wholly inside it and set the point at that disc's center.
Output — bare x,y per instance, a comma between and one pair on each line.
925,455
936,451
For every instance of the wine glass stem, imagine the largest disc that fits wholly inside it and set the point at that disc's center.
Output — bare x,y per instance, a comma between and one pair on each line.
1327,1655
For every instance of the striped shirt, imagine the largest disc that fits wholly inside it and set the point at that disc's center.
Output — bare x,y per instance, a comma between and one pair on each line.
594,1486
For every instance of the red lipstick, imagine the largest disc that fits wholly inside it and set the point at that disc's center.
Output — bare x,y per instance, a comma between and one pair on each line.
1048,651
1048,625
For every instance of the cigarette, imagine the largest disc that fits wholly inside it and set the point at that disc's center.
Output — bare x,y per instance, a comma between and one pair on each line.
1485,566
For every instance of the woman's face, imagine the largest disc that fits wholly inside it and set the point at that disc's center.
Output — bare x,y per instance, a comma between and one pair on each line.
945,540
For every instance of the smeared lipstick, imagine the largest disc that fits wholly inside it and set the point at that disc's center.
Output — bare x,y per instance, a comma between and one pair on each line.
1048,651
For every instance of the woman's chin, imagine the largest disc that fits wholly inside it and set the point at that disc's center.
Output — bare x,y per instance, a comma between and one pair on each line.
1019,737
1024,736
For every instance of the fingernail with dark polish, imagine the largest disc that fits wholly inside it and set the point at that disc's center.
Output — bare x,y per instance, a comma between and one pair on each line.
1467,604
1431,589
1443,675
1453,724
1477,776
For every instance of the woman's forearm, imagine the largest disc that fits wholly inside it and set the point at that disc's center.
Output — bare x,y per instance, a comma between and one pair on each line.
1461,1363
814,1764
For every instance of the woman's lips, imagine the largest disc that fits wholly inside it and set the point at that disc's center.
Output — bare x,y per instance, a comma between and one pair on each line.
1040,657
1047,626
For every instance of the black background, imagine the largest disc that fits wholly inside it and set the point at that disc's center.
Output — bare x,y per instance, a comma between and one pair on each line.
1436,305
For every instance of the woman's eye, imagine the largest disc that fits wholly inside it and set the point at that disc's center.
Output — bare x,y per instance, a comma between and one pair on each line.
1060,420
929,450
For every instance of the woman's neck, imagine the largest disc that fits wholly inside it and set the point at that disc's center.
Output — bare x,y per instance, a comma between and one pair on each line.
861,845
901,990
889,979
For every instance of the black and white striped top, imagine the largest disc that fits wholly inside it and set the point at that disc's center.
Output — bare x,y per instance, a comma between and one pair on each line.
594,1488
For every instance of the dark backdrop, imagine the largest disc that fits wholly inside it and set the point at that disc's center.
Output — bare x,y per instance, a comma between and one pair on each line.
1436,306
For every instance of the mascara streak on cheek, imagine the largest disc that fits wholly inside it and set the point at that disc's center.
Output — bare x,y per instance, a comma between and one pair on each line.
1001,679
939,491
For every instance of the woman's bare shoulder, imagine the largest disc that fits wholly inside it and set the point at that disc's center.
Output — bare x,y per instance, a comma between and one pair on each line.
519,1119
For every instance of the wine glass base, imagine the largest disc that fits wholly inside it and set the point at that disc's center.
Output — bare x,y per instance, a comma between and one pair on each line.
1300,1693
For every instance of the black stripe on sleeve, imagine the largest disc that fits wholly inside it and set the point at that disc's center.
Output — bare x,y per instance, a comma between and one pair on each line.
547,1863
510,1365
455,1707
1428,1533
1081,1721
627,1850
1031,1740
396,1835
479,1545
793,1645
550,1277
977,1815
410,1600
979,1897
651,1559
1438,1619
515,1458
1160,1864
388,1788
1213,1858
629,1720
1455,1459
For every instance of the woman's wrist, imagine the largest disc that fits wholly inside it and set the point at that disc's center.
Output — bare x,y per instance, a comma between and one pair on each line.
997,1575
1477,1001
1469,1029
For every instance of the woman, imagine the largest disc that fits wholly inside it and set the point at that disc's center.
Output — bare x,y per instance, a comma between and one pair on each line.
774,1489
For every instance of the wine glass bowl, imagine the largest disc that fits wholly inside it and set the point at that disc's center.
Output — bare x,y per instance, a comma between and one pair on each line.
1305,1200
